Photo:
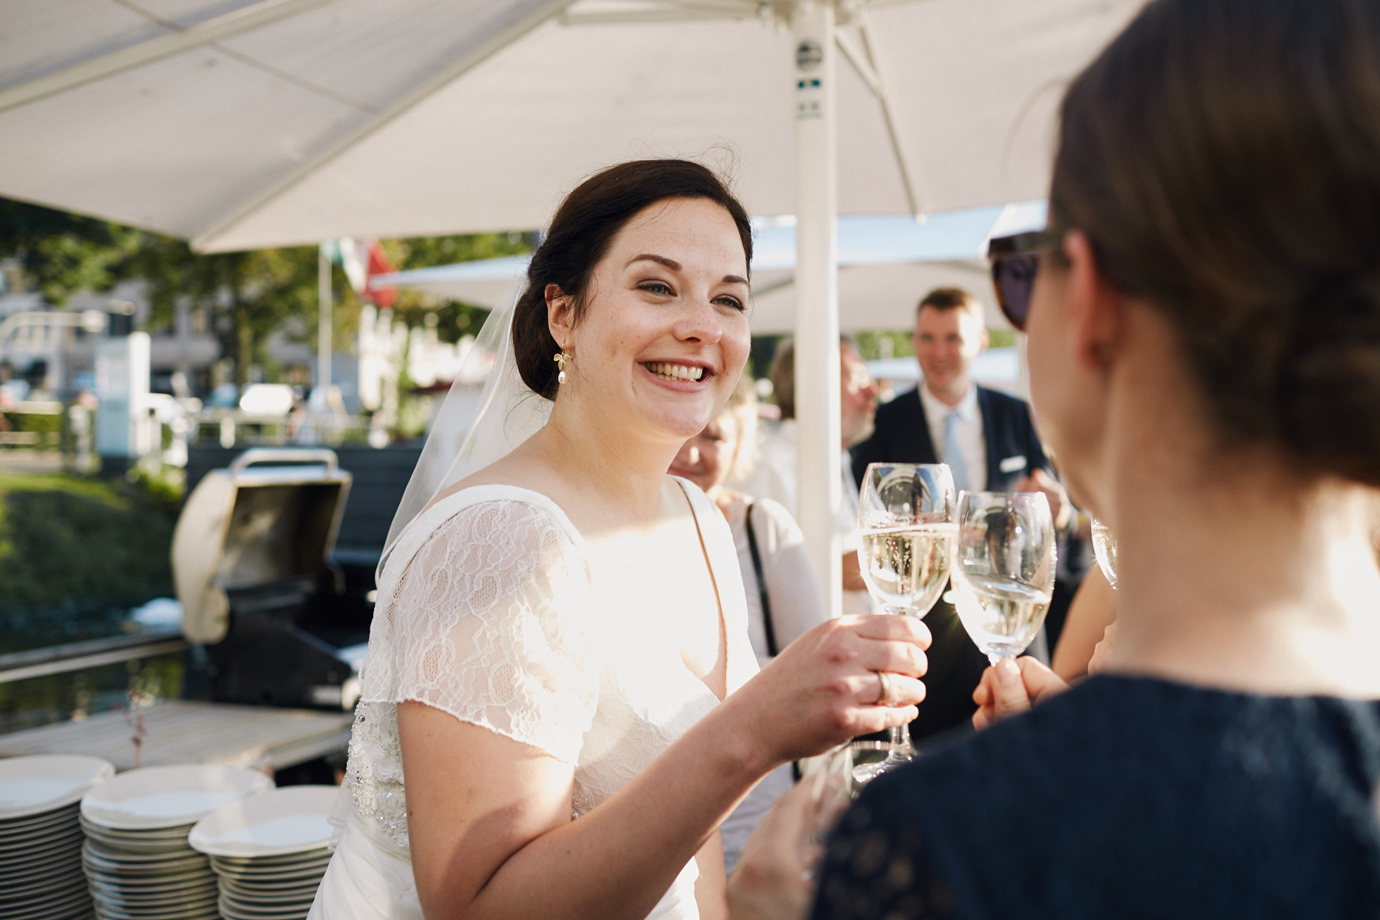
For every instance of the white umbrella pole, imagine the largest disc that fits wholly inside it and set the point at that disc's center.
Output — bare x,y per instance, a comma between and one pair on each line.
816,278
323,324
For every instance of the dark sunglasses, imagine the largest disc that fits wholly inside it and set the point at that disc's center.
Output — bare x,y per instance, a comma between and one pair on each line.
1015,262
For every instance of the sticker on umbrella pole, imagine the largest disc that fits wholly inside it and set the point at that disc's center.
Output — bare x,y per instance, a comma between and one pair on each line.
809,98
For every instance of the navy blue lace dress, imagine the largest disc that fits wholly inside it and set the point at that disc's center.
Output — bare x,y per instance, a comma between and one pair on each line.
1126,798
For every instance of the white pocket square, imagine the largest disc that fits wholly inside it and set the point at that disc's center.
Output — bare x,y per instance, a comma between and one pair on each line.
1012,464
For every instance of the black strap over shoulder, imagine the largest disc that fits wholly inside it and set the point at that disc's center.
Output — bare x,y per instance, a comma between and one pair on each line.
761,582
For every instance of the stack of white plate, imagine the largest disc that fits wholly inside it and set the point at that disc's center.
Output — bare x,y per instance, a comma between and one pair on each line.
136,856
40,839
270,851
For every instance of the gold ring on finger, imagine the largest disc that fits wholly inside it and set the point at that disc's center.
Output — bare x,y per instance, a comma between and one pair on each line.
884,698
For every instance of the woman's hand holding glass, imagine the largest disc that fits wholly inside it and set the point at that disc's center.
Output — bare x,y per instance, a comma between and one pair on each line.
824,689
905,515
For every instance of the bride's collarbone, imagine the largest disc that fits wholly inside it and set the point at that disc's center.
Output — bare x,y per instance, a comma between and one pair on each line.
655,579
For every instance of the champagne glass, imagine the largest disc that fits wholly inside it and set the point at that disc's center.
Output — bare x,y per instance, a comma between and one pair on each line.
1003,569
1104,548
906,516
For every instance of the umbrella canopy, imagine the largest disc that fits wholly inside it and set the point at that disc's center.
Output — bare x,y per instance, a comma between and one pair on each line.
886,264
250,123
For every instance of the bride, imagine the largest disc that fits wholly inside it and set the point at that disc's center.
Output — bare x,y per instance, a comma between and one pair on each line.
559,703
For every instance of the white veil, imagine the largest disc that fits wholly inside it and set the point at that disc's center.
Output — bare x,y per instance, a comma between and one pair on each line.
509,412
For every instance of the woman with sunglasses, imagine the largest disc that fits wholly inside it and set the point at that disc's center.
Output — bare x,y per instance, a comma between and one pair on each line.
1204,348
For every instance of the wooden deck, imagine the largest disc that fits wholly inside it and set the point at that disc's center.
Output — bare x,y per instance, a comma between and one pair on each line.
180,731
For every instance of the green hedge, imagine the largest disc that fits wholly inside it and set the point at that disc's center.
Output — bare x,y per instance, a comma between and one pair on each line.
72,541
41,422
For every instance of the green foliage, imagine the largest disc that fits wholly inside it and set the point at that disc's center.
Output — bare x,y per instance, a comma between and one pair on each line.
248,295
162,488
1001,338
41,422
64,253
455,319
66,540
871,348
251,294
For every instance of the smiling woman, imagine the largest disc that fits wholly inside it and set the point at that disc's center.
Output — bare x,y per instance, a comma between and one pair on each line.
559,706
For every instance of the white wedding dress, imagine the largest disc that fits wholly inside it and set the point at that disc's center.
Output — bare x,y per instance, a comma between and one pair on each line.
489,610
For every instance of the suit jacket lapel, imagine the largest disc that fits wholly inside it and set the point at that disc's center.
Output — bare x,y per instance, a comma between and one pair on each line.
923,444
988,410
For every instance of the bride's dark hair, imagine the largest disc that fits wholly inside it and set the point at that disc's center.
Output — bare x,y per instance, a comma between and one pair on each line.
1223,156
580,234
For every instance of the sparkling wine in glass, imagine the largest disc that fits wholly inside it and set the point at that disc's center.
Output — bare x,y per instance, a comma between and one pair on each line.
906,519
1003,569
1104,548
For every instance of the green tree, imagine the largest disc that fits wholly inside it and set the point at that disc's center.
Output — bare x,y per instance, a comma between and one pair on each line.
63,253
249,295
454,318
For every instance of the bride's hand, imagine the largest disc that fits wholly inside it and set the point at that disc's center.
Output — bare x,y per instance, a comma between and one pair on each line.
825,687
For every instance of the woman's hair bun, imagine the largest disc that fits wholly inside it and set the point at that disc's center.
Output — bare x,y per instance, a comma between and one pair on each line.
1223,157
1329,384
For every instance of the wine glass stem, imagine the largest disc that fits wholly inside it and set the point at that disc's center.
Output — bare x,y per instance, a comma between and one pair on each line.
900,745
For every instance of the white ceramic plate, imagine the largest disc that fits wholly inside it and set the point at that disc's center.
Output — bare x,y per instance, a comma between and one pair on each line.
177,832
139,849
305,860
114,913
166,797
20,828
272,903
33,785
45,862
249,876
231,912
61,905
278,822
257,888
185,890
200,903
13,854
122,860
30,889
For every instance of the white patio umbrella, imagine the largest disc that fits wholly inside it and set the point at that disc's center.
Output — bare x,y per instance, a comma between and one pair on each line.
886,264
250,123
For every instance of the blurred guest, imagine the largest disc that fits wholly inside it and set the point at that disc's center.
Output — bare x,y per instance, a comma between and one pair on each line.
776,474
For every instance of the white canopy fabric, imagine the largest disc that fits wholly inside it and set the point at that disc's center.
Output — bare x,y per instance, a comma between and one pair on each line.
886,264
243,124
251,123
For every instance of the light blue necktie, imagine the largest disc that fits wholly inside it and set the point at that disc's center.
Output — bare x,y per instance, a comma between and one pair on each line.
953,455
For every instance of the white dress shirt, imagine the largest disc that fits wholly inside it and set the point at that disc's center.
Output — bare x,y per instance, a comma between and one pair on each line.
967,431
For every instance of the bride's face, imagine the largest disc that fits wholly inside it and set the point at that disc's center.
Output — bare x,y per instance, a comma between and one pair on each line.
664,334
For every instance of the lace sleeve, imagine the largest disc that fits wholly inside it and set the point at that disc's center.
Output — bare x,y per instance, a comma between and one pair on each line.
489,622
877,865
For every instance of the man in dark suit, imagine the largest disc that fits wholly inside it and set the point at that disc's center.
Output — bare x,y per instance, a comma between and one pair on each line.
990,444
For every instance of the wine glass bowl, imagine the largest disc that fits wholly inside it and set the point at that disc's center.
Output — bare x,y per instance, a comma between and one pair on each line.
1004,569
1104,548
905,516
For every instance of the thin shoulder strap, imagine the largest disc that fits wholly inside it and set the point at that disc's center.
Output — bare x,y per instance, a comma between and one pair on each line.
761,581
718,599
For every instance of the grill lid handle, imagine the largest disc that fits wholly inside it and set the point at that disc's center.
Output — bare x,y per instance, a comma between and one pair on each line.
285,455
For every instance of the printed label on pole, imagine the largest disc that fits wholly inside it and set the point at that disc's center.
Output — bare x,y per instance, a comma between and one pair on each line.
809,98
808,54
